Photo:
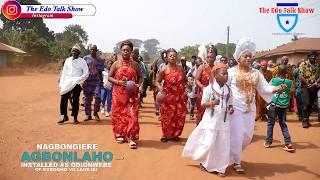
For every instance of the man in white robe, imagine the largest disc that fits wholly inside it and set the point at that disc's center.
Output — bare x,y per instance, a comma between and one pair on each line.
74,73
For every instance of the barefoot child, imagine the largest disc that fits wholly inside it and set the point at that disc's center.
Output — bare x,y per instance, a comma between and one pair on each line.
209,143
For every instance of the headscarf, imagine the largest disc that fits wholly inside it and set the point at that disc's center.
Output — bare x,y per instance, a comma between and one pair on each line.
244,45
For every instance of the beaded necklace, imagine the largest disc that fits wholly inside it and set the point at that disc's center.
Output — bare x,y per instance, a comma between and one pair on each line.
221,96
246,82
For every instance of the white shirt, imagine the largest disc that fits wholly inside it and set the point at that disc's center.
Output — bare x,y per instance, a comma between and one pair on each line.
215,120
192,71
106,82
74,72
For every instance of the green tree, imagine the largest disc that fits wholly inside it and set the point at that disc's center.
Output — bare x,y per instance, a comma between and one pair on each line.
189,51
136,43
12,37
29,41
30,35
146,57
222,49
73,34
25,24
151,47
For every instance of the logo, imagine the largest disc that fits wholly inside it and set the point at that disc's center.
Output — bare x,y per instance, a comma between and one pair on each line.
287,16
11,10
288,21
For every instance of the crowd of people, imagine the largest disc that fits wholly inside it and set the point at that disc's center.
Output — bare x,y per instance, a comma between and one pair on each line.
224,97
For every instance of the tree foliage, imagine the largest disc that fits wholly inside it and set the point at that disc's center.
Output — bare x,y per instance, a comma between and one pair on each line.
21,25
148,47
35,38
189,51
136,43
151,47
222,49
73,34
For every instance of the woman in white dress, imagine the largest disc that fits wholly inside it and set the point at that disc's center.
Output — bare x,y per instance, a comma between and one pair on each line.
244,81
209,143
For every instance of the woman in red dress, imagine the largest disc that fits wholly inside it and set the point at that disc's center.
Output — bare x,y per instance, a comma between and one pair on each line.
125,103
173,109
203,77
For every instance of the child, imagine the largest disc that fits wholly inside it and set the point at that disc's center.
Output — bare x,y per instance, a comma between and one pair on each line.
191,90
106,90
278,107
209,143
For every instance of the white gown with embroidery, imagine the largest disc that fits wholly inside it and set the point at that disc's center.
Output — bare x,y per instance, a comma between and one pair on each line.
209,142
243,119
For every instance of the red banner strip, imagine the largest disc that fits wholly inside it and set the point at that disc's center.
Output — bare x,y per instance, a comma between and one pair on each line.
45,15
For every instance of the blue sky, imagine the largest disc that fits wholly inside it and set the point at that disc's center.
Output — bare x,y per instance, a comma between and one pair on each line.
176,23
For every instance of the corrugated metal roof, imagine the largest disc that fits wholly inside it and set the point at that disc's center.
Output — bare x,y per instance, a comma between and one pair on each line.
5,47
300,45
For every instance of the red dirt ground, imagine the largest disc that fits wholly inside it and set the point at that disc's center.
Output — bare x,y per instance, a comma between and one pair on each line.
29,111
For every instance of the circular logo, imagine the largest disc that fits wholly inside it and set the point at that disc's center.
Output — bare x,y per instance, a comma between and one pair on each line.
11,10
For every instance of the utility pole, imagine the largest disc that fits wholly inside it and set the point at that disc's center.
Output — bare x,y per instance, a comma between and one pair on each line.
227,46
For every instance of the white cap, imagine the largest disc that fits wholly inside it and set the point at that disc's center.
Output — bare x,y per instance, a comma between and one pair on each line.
76,46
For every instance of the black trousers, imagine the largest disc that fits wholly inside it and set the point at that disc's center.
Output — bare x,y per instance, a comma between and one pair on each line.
309,95
75,92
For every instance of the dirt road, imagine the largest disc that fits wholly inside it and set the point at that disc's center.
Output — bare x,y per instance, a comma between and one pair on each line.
29,111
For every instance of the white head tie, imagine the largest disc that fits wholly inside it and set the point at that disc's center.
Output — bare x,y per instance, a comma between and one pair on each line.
244,45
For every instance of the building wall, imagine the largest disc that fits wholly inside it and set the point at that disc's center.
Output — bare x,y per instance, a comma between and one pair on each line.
293,58
3,59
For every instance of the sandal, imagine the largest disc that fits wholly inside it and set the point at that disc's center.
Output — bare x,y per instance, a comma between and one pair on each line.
164,139
288,148
132,145
221,174
238,169
120,140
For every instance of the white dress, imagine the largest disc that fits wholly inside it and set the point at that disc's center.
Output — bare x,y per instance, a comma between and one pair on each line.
209,142
243,119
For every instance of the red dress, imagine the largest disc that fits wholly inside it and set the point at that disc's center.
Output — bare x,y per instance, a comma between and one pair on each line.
125,107
204,80
173,110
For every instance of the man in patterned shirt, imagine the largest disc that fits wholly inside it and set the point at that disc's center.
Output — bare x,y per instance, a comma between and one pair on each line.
310,78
